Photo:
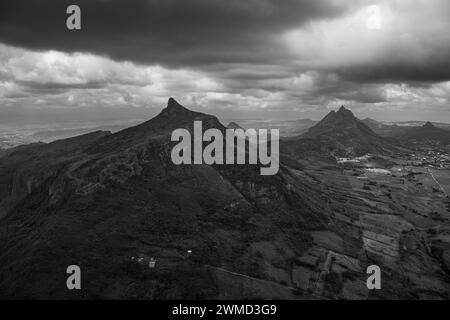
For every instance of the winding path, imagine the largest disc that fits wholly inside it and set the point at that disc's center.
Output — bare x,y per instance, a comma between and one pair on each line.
437,182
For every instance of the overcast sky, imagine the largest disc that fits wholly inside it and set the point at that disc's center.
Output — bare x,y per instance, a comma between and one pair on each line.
386,59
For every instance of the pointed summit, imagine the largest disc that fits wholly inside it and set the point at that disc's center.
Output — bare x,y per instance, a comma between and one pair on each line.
340,132
174,110
342,122
343,111
172,103
176,115
174,107
342,117
429,125
172,100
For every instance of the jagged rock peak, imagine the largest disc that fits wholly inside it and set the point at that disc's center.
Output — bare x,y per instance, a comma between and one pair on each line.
173,108
173,104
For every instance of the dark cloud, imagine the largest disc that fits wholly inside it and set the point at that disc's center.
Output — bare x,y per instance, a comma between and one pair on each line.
169,32
435,68
364,93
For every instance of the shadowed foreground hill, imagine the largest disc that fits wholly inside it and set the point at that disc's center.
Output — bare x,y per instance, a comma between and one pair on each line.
99,203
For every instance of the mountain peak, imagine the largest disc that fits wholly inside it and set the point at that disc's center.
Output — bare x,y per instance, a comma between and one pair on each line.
174,108
342,133
176,115
344,111
428,125
173,104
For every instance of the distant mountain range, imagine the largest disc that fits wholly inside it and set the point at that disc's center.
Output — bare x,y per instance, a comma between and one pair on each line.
293,128
385,130
411,131
337,126
426,132
288,128
12,136
441,125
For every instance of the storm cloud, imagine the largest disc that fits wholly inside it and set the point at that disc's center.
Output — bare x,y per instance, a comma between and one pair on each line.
169,32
